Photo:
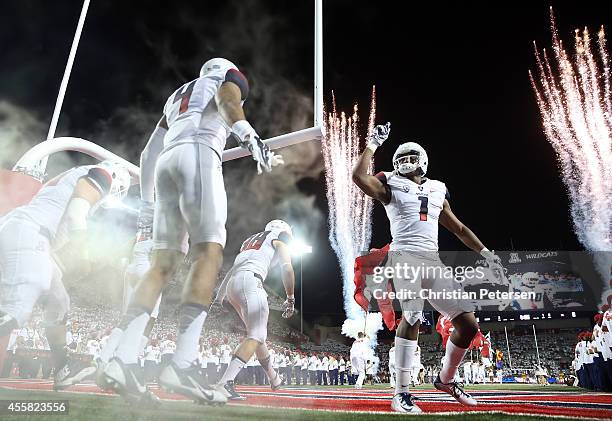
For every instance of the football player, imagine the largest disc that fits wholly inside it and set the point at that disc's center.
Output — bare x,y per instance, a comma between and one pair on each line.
243,287
357,357
541,292
185,150
415,206
45,240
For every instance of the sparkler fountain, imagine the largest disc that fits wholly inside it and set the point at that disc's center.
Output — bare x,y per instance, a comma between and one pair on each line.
350,211
575,101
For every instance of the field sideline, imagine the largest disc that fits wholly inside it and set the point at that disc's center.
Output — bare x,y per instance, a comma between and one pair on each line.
499,402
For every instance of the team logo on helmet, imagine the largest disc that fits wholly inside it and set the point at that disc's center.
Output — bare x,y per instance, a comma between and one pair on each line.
216,64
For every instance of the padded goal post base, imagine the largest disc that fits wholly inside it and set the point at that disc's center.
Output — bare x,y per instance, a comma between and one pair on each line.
16,189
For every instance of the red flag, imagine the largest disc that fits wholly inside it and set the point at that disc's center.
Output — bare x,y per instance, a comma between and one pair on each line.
444,327
364,265
478,340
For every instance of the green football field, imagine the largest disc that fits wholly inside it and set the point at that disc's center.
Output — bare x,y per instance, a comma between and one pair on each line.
88,407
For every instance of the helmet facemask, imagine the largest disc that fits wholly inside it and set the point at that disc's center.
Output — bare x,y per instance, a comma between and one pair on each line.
410,158
407,163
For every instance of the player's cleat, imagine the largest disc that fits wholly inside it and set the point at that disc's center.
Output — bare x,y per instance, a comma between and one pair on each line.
404,402
71,373
190,382
276,383
126,379
455,389
229,391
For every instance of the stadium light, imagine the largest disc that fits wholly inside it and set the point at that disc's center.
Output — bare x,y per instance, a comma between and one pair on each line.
299,248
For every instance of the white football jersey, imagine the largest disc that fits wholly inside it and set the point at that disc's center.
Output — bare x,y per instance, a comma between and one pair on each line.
413,212
257,252
48,206
192,115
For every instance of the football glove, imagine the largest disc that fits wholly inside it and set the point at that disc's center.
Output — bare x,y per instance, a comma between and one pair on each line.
378,136
493,261
249,139
288,308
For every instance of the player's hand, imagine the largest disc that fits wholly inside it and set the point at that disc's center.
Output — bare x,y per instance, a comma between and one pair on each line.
288,308
249,139
493,261
276,160
379,135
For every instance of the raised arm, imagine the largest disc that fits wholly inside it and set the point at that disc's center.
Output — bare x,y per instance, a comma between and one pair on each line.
287,275
229,99
366,182
148,159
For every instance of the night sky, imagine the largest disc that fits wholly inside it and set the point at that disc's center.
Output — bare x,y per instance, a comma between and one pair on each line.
451,76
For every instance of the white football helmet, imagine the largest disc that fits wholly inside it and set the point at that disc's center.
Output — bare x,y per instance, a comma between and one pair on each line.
216,64
530,279
121,180
279,224
410,157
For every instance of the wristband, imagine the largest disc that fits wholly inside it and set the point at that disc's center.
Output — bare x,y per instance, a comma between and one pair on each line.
242,129
372,147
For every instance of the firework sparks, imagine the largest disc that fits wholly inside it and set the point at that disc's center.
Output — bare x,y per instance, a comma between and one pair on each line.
350,211
574,97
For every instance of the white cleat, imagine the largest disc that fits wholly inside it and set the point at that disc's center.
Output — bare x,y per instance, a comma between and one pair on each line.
456,391
404,402
190,382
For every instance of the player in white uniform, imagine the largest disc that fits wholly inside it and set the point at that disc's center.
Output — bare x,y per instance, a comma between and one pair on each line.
358,360
415,205
46,239
185,151
243,287
530,282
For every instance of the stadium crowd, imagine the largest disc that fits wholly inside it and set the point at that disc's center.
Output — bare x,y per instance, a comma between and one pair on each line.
300,361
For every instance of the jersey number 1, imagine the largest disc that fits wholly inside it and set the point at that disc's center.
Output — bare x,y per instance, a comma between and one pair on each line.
184,95
423,211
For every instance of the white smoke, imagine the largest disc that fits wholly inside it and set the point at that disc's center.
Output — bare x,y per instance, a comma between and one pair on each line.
574,94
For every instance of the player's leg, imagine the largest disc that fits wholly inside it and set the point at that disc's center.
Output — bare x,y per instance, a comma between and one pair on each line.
466,327
240,295
123,373
406,342
256,313
203,205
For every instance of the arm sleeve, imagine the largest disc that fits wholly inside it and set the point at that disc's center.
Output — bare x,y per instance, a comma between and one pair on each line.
100,178
284,237
148,159
239,79
382,177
